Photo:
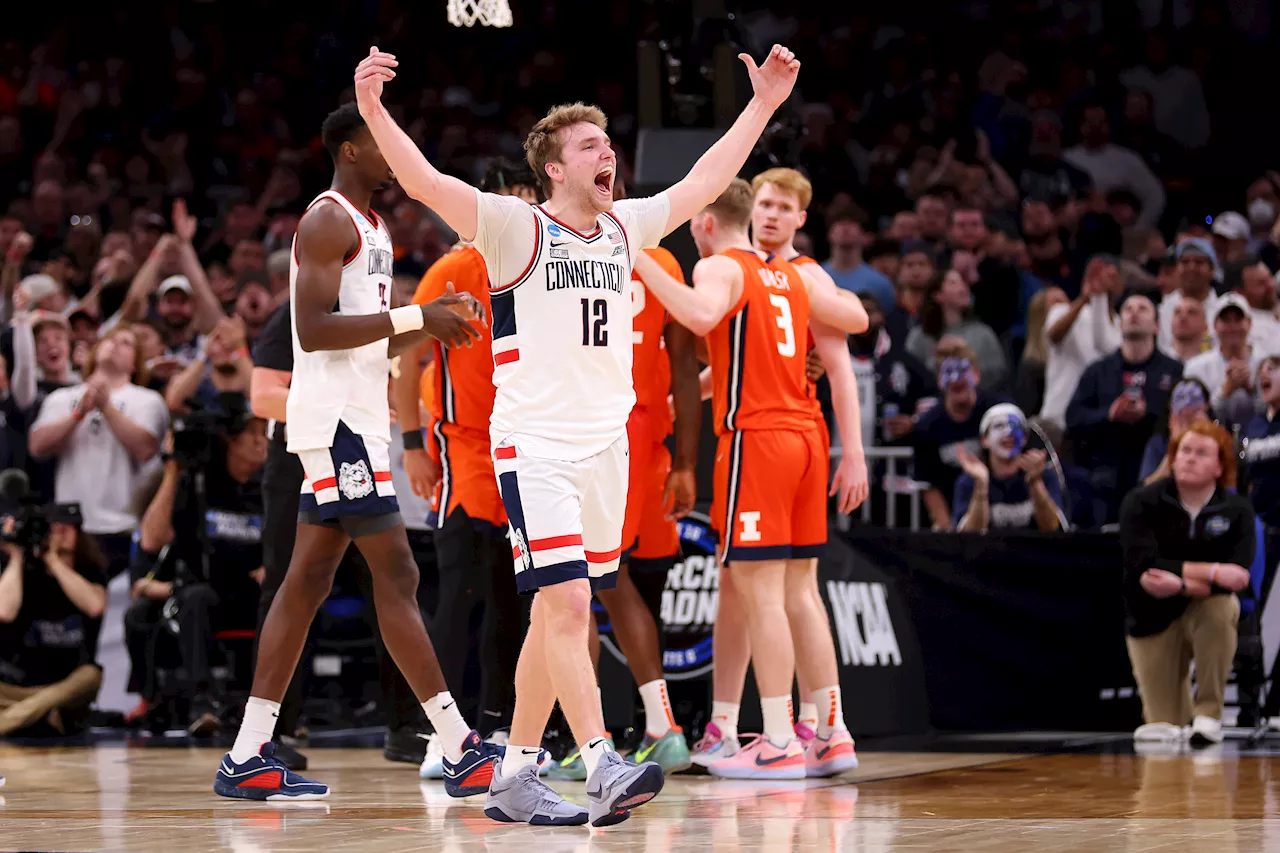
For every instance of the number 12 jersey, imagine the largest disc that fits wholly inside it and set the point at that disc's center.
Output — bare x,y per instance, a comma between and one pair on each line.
561,307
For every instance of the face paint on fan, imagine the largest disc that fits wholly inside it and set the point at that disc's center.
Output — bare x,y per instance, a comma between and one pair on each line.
1185,395
954,370
1000,433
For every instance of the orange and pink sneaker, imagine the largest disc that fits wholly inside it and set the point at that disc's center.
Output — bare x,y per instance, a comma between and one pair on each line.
762,760
805,733
830,757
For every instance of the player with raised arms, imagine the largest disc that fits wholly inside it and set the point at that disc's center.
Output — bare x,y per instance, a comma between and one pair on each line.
769,506
345,326
562,341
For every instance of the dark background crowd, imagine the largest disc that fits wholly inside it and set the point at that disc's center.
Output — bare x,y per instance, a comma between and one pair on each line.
1070,206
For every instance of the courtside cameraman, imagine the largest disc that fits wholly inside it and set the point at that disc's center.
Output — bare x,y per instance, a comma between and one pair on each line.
202,540
51,601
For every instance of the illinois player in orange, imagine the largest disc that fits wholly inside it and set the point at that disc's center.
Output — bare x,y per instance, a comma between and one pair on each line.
452,467
782,199
771,465
665,363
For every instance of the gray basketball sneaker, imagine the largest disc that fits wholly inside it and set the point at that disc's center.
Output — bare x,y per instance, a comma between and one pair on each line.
617,787
525,799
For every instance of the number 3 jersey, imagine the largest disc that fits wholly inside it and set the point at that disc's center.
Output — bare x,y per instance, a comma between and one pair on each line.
561,307
348,385
758,350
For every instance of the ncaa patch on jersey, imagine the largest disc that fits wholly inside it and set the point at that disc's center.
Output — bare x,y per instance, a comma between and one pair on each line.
354,480
553,230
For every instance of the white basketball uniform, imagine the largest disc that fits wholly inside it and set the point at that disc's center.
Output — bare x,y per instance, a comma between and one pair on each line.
561,316
339,421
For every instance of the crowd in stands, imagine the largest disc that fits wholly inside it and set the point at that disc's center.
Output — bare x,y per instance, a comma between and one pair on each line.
1056,290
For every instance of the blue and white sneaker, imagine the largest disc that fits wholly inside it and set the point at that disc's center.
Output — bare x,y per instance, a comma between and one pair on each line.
264,777
472,773
433,765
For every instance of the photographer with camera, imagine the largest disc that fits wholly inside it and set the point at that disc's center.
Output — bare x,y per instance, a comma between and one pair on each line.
52,596
102,434
203,535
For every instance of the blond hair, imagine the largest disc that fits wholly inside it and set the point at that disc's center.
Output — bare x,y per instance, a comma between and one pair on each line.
1035,348
953,347
787,179
733,207
544,144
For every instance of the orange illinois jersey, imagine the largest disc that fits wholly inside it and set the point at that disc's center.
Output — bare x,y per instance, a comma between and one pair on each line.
757,350
460,390
651,367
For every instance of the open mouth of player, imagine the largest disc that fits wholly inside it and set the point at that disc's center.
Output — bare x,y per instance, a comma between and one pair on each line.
604,181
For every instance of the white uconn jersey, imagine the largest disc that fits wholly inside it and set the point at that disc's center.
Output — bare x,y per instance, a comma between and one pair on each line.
561,316
347,385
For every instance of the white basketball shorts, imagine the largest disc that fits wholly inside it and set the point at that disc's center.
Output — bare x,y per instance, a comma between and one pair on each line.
565,517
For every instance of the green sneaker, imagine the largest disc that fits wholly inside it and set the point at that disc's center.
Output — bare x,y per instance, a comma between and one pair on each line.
572,768
670,751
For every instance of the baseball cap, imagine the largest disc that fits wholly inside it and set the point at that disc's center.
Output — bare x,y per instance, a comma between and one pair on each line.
1231,225
1230,300
39,287
1000,413
175,282
1186,394
914,247
1199,245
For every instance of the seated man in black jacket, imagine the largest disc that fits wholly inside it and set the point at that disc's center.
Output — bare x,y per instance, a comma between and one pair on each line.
1187,542
1113,412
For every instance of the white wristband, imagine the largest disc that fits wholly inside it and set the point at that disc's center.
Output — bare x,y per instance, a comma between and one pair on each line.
407,318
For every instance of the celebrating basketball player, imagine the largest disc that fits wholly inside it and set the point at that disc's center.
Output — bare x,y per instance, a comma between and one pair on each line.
344,326
665,363
771,464
561,302
453,469
782,197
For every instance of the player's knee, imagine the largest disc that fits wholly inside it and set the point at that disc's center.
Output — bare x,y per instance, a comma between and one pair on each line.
566,606
402,576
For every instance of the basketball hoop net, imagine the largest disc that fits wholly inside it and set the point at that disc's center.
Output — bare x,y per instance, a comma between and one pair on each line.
489,13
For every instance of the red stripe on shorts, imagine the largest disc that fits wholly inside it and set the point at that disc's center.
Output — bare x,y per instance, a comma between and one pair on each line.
603,556
555,542
506,357
381,476
326,483
505,453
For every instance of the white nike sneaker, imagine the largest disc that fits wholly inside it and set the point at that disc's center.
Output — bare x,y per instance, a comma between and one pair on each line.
1158,733
1206,730
433,765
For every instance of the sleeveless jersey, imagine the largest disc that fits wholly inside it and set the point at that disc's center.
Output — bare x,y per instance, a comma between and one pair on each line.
651,369
459,392
757,350
561,318
344,385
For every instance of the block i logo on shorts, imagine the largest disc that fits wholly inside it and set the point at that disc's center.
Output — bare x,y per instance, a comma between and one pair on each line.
354,480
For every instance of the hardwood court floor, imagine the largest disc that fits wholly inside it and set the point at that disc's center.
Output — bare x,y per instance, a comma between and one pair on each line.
138,799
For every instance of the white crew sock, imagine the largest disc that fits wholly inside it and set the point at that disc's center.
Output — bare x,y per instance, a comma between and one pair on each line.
442,711
593,752
257,728
778,727
517,757
831,711
725,716
808,716
657,708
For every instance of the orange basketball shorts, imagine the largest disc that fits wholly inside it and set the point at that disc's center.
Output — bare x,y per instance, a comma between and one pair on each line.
466,477
652,542
770,494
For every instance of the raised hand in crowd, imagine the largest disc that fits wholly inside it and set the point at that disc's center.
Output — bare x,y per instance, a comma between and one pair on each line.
973,466
1128,408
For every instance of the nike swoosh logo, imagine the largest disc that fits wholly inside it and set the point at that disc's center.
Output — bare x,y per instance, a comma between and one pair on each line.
642,754
558,245
765,762
446,707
